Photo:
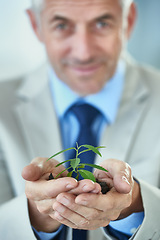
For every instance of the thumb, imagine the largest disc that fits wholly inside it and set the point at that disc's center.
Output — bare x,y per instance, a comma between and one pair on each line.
35,169
39,167
121,183
119,175
31,172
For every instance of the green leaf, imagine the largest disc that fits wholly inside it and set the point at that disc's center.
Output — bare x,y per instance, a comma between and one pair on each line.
81,166
69,160
75,163
70,174
87,175
96,166
61,152
77,177
100,147
86,150
90,147
62,172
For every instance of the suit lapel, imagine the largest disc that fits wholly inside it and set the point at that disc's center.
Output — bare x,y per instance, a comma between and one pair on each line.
119,137
36,115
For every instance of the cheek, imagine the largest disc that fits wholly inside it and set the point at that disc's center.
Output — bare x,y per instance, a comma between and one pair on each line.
116,41
120,39
54,49
114,53
57,51
54,52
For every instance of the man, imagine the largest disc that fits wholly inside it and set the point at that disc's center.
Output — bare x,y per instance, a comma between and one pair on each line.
84,41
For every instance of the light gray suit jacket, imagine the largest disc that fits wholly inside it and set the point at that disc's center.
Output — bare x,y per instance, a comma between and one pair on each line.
29,127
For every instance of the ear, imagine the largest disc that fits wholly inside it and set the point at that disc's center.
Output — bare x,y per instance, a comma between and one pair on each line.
131,19
34,24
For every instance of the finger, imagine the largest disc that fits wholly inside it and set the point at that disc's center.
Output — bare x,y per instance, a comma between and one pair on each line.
39,167
119,172
79,217
86,185
45,206
105,202
31,172
68,214
68,200
42,189
91,201
58,217
82,223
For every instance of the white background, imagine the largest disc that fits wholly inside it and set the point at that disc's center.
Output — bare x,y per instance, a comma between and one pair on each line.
20,51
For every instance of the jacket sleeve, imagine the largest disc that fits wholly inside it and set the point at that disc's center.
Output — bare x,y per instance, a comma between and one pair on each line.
6,192
149,228
14,220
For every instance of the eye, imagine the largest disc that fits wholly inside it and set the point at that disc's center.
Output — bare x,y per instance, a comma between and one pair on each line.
101,24
61,26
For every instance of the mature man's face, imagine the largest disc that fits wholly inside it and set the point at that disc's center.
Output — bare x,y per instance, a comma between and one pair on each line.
83,40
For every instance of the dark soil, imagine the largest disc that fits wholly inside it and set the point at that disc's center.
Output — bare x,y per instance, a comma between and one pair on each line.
51,176
104,187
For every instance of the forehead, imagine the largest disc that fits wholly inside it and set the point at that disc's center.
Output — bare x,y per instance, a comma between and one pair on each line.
79,8
75,2
79,3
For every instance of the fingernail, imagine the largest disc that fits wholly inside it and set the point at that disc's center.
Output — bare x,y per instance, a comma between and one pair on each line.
69,186
95,191
86,187
125,179
65,201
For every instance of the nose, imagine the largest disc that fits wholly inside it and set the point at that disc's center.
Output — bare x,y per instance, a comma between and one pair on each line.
82,45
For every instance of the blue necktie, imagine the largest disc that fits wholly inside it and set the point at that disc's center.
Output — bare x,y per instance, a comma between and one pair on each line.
86,116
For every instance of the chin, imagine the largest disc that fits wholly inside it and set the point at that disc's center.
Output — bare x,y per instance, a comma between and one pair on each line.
88,90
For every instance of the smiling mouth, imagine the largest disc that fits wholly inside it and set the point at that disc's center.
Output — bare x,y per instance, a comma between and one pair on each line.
85,70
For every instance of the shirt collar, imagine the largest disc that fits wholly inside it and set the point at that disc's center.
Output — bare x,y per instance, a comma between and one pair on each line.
64,97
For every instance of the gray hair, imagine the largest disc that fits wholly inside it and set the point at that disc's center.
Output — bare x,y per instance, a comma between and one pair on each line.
37,5
125,2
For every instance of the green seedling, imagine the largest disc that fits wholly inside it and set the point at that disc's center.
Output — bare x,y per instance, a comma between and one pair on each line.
76,165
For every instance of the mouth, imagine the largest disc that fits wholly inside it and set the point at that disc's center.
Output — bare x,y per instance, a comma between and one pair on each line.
85,70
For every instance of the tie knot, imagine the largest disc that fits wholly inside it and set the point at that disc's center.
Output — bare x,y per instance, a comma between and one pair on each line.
85,114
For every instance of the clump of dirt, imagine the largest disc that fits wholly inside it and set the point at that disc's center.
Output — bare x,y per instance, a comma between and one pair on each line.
104,186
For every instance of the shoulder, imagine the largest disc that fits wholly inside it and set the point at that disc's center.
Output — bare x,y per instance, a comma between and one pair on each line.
147,74
10,88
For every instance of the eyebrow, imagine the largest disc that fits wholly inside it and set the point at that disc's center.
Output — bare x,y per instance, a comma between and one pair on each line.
58,18
103,17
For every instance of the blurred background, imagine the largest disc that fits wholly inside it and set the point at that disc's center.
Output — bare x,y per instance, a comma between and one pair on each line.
20,51
144,44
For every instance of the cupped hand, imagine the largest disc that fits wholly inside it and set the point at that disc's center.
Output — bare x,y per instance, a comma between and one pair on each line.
91,210
41,192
